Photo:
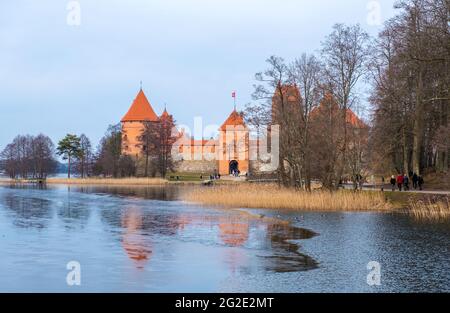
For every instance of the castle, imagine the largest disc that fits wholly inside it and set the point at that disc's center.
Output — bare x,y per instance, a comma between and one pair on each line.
229,153
233,151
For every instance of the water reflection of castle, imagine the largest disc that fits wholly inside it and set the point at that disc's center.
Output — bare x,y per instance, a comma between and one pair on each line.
233,231
136,241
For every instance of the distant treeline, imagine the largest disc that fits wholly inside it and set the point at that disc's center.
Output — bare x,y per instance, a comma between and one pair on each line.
36,156
29,157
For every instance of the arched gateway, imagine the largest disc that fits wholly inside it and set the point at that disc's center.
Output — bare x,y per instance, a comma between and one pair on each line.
234,167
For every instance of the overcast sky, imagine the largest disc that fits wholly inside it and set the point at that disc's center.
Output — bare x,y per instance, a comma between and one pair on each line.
57,78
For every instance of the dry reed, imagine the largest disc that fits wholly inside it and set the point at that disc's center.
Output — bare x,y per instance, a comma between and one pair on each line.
273,197
430,209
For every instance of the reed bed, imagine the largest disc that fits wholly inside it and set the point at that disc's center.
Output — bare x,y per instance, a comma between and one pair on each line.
108,181
430,209
273,197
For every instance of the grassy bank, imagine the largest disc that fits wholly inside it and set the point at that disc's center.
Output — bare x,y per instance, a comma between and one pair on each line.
421,206
273,197
187,177
108,181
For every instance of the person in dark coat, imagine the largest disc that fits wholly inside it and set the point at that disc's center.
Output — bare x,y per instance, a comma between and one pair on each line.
406,182
393,182
415,180
420,182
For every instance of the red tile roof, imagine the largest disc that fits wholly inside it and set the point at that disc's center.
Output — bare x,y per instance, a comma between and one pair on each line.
354,120
165,114
351,117
235,119
140,110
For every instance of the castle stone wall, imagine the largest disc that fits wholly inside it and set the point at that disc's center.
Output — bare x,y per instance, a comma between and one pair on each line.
197,166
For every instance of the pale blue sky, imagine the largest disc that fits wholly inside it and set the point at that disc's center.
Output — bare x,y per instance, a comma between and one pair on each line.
190,54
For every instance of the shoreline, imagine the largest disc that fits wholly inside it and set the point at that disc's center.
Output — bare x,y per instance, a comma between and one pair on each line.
125,182
244,195
132,182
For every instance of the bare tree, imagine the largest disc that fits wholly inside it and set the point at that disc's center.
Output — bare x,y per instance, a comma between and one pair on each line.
411,86
148,138
109,153
85,157
306,72
276,90
346,53
158,139
29,157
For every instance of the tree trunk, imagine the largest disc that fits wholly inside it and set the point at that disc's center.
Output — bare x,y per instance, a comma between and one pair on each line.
307,173
147,152
405,151
146,164
418,125
68,172
307,160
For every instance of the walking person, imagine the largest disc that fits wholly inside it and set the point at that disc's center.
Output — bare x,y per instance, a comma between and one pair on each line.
406,182
400,182
393,182
382,183
415,180
420,182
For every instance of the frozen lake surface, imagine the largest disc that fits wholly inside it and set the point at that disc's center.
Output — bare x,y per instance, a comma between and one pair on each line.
144,239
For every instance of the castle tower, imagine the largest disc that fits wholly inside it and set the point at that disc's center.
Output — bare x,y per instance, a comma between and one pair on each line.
140,112
233,145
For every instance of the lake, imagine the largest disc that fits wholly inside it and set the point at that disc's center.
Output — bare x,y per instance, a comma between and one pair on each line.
145,239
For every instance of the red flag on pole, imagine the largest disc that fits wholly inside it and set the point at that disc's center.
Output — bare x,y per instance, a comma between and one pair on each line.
233,94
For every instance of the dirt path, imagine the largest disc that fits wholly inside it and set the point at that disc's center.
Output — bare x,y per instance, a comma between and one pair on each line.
389,188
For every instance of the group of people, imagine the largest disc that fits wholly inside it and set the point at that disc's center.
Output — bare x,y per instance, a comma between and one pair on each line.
215,176
235,173
402,182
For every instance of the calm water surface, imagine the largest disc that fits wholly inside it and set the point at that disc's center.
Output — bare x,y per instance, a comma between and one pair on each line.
146,239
